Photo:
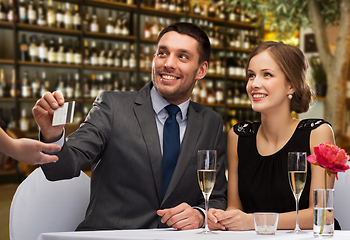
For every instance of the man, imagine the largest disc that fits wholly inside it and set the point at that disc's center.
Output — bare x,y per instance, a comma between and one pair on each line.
122,137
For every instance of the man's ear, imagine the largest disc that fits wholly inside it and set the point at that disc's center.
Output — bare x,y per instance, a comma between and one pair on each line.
202,70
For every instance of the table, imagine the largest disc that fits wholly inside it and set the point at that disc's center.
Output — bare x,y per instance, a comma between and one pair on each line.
171,234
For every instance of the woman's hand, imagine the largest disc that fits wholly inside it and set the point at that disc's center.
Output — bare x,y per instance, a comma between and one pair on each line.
235,220
212,220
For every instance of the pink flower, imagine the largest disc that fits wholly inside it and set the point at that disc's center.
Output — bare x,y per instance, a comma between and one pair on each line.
330,157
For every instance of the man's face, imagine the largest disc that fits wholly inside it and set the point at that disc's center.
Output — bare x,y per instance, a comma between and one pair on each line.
175,67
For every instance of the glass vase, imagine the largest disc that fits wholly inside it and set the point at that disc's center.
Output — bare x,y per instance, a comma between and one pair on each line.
323,226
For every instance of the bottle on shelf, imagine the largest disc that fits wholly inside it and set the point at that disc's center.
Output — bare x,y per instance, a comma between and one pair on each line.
31,13
33,49
132,57
44,84
86,53
110,56
110,24
203,92
61,51
117,56
68,17
172,5
236,93
108,80
147,29
22,11
69,86
148,58
59,16
102,56
94,25
36,86
125,57
157,4
42,50
69,52
3,11
211,93
86,87
77,88
93,86
197,9
219,93
41,21
165,5
24,122
124,26
212,10
4,90
86,20
76,18
26,91
155,28
60,84
93,54
77,53
50,14
15,91
196,92
24,49
52,51
12,15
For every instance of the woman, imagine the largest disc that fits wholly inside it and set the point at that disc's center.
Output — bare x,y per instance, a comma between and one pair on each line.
257,152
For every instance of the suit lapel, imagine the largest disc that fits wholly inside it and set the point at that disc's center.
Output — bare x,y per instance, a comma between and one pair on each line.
144,113
193,129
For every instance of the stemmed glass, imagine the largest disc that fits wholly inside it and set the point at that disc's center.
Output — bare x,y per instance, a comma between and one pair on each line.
206,172
297,170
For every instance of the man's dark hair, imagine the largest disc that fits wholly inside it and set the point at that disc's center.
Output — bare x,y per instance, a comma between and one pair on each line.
193,31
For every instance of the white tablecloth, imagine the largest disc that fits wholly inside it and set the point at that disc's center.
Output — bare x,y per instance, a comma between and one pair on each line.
171,234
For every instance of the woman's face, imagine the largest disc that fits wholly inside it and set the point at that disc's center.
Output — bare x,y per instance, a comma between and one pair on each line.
267,86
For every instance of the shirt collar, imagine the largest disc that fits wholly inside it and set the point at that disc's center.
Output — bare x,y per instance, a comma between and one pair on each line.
159,103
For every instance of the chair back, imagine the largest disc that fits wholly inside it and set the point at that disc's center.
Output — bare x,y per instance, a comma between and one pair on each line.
40,206
342,199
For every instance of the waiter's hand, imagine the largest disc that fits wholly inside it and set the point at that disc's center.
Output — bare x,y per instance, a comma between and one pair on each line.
182,217
43,113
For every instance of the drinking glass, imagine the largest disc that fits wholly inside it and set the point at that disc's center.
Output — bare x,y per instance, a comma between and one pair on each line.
206,172
297,169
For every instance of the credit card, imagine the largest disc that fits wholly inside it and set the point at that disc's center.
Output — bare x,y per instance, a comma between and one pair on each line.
64,114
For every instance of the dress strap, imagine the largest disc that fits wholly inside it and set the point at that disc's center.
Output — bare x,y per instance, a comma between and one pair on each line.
246,128
310,124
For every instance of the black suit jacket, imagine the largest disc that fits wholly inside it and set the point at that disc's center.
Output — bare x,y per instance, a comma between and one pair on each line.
119,138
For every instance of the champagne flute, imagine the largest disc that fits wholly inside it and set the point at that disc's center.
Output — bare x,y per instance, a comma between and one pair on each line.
206,172
297,170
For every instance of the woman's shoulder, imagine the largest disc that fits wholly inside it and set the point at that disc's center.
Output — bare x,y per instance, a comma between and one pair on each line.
246,128
311,123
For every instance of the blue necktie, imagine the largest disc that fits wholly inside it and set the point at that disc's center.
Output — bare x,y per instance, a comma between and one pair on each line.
171,145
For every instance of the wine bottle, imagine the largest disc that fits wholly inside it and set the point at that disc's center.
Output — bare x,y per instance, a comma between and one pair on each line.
24,49
108,82
110,24
110,56
42,50
41,14
197,10
31,13
86,20
61,51
125,57
77,53
52,51
117,25
50,14
77,88
15,90
36,86
93,86
22,10
60,84
93,54
86,53
102,55
117,56
76,18
172,5
125,26
12,15
155,29
69,86
165,5
3,11
147,29
4,90
44,84
59,16
69,52
33,49
94,25
132,57
26,86
86,87
212,10
219,93
24,122
68,17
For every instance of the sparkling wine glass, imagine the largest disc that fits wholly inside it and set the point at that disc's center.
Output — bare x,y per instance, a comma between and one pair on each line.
297,170
206,172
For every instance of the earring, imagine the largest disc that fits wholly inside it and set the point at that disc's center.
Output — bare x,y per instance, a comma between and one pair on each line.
290,96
